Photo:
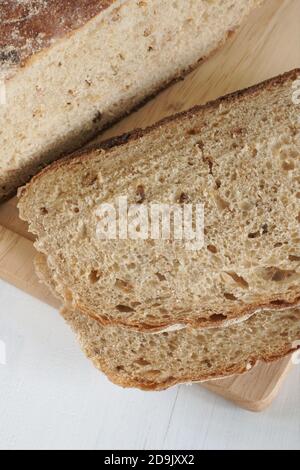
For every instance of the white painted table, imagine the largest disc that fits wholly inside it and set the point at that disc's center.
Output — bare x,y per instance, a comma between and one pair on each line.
52,398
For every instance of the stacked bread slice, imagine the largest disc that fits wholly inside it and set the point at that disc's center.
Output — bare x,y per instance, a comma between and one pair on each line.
149,312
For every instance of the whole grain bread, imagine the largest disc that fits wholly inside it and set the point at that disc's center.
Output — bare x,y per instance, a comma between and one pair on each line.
68,69
239,156
158,361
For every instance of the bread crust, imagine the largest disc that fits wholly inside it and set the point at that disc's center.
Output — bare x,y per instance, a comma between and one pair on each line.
29,27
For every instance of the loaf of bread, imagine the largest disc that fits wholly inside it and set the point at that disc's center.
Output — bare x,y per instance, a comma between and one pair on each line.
70,68
239,156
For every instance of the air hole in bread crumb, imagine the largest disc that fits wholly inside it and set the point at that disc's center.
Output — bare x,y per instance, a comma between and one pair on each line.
151,374
89,179
142,362
278,303
124,309
229,296
239,280
44,211
288,166
294,258
194,131
218,317
123,285
212,249
131,266
184,198
161,277
94,276
221,203
238,131
140,193
164,312
284,334
277,275
207,364
150,317
254,235
246,206
200,145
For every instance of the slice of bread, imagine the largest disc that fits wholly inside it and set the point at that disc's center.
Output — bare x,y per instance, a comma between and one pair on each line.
159,361
70,68
239,156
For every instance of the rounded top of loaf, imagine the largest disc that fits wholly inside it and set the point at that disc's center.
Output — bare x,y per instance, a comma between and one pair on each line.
29,26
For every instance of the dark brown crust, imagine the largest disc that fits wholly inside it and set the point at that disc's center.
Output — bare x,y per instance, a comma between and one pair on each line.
238,369
29,27
109,145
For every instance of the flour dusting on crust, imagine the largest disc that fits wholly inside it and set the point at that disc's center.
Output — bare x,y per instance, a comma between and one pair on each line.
29,26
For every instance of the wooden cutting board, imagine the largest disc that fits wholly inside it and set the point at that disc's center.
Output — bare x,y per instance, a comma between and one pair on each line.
268,44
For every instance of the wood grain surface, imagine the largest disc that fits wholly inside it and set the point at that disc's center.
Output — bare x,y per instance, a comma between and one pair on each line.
268,44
